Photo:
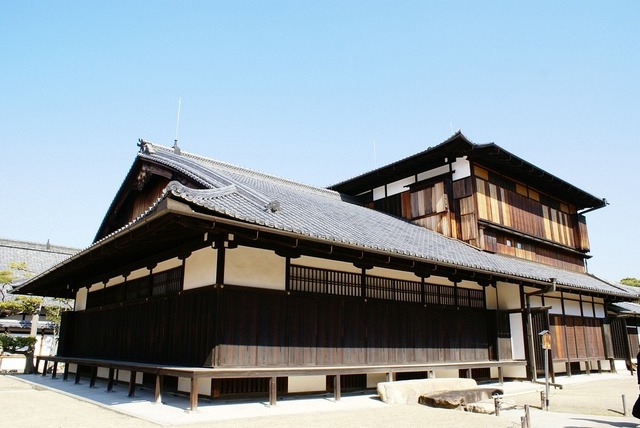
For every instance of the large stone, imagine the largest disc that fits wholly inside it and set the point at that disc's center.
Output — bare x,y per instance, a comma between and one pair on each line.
454,399
408,391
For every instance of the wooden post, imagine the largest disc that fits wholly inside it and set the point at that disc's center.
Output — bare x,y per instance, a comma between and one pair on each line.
94,375
110,380
500,375
54,373
273,391
193,396
65,373
336,388
132,384
77,373
44,369
158,391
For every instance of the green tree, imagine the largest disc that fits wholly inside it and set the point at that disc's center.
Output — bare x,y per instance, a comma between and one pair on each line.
20,345
26,305
15,271
634,282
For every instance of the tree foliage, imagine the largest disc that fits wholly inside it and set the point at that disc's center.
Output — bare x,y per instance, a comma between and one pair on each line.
19,345
634,282
27,305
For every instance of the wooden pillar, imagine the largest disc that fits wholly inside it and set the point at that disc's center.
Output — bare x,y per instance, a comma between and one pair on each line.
94,375
132,384
336,388
273,391
500,375
55,370
193,396
44,369
158,391
77,381
110,380
65,373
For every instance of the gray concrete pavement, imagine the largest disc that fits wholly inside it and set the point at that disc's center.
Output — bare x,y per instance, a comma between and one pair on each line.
36,401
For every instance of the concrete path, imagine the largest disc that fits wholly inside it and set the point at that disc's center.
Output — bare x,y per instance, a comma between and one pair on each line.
36,401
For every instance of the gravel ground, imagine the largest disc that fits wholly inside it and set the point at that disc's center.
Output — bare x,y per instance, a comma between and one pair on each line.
37,401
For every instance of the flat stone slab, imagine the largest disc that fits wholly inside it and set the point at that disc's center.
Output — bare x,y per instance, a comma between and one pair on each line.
409,391
454,399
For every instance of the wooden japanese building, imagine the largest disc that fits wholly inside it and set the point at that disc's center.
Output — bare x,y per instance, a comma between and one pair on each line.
452,259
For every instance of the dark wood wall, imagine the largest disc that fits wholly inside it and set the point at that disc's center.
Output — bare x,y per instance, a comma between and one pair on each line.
253,327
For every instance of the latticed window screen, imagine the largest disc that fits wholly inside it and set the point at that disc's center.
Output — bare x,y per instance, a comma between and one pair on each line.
325,281
158,284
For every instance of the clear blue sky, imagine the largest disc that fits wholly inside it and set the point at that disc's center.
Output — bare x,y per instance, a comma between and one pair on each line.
305,90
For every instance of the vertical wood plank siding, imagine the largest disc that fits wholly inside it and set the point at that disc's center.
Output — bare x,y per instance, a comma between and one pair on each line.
576,338
526,215
257,328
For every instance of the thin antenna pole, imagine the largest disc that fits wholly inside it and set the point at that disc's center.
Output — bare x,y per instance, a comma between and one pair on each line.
175,141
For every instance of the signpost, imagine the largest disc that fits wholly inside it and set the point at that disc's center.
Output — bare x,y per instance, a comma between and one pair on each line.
545,336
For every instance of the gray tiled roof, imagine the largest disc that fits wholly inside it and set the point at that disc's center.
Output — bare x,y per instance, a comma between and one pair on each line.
37,258
627,308
285,205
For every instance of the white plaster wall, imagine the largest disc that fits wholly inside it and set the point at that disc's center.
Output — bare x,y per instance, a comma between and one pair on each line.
517,336
556,305
254,267
139,273
123,376
572,307
469,284
373,379
379,193
200,268
462,168
444,373
167,264
600,312
439,280
115,281
204,386
433,172
12,364
399,186
492,298
536,301
325,264
81,300
307,383
588,309
96,286
508,296
395,274
519,372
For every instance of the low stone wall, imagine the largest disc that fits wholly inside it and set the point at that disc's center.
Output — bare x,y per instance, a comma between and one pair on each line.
12,364
409,391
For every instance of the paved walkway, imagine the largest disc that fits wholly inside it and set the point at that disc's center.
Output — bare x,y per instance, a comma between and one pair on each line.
36,401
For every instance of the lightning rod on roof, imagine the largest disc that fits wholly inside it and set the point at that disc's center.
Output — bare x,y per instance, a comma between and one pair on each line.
176,149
